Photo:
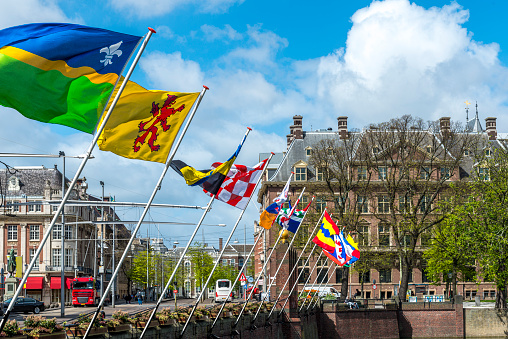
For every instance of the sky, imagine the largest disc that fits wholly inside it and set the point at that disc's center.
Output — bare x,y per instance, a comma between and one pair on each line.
264,62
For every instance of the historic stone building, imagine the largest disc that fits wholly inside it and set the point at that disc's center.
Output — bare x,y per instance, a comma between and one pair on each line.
368,165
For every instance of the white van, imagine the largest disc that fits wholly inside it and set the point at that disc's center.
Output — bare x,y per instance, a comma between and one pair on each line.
323,291
222,289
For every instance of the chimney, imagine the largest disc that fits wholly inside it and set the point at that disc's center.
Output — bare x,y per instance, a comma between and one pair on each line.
490,127
296,128
289,138
444,125
220,244
342,122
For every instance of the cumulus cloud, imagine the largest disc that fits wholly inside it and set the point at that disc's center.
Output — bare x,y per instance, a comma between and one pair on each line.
20,12
225,34
401,58
158,8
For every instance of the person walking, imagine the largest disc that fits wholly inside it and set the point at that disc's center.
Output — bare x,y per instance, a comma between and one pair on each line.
140,299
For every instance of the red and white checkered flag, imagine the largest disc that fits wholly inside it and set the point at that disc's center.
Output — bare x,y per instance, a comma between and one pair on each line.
239,184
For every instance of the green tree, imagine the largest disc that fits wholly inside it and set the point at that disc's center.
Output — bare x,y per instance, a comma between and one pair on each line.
202,264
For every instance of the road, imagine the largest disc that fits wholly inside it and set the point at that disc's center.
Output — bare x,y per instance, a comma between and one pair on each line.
74,312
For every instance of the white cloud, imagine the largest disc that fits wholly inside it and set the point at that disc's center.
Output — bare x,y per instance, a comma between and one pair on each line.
213,33
14,13
403,59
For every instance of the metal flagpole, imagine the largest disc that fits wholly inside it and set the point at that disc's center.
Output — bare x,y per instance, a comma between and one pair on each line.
308,278
315,281
62,250
74,180
296,282
220,255
264,266
236,279
182,256
317,299
147,207
319,286
296,265
285,254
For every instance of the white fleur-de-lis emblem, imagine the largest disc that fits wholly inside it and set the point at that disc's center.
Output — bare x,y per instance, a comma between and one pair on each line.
110,52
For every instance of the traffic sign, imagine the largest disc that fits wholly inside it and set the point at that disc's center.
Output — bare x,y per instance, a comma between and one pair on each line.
250,279
175,291
374,286
242,277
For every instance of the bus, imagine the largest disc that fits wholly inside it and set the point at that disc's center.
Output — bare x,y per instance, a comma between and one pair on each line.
222,289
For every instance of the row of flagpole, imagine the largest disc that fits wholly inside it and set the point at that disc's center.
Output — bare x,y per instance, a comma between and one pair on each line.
279,201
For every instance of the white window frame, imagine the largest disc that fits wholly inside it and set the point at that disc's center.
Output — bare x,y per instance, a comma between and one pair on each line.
35,232
12,232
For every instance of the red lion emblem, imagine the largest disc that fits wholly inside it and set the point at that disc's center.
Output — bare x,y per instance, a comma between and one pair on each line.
158,115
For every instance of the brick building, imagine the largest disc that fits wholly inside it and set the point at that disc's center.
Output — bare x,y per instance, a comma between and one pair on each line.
372,207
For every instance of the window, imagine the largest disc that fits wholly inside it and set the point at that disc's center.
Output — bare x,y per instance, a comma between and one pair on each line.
320,205
445,173
31,208
54,208
375,150
484,173
68,232
187,267
362,173
466,152
405,240
68,257
364,277
330,151
34,232
38,207
428,149
13,184
424,172
57,232
385,275
301,174
56,257
384,235
383,204
339,274
424,203
224,262
381,170
240,263
305,268
303,202
405,202
425,278
425,238
32,254
308,151
488,152
320,174
12,232
363,235
322,269
233,262
362,204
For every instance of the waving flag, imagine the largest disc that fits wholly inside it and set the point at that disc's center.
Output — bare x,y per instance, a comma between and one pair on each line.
144,124
210,180
351,249
61,73
329,238
239,184
268,216
292,224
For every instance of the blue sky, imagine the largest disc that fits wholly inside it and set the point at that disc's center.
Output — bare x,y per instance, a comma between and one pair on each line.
266,61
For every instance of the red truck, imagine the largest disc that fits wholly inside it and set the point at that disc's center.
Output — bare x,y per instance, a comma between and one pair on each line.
84,292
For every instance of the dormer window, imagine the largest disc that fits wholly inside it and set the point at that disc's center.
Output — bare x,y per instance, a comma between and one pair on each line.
428,149
466,152
308,151
300,173
488,152
375,150
13,184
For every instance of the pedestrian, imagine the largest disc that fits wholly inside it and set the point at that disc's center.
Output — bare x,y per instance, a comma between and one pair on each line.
140,299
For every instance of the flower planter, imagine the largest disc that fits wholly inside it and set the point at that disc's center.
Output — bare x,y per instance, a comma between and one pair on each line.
227,314
119,328
203,318
142,324
168,322
80,332
54,335
18,337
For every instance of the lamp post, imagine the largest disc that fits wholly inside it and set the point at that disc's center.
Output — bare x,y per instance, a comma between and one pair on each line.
102,242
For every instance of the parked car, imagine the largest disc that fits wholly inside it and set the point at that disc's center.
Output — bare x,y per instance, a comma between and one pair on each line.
25,305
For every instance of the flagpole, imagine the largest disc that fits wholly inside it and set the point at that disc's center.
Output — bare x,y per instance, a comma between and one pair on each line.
317,299
285,254
203,288
308,278
73,183
315,282
319,285
183,253
236,279
147,207
295,266
264,266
